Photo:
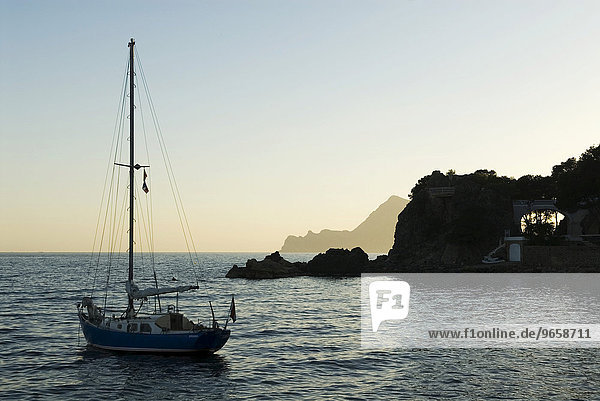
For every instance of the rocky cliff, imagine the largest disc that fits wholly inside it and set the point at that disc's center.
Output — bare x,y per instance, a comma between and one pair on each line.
452,220
375,234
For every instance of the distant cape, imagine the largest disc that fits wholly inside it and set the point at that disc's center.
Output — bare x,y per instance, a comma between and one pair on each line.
375,234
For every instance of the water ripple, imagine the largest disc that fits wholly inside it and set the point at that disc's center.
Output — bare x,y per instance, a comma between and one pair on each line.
295,338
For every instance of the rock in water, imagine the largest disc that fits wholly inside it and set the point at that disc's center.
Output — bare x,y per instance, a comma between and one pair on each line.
334,262
339,262
272,266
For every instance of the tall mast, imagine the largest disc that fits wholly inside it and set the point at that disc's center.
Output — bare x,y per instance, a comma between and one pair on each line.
131,168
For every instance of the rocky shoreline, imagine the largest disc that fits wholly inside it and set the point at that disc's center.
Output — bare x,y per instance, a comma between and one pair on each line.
351,263
453,221
333,263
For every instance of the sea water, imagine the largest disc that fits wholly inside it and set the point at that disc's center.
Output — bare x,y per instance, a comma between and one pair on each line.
294,338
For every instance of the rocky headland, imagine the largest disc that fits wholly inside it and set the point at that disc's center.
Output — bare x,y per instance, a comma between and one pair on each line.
452,221
375,234
433,233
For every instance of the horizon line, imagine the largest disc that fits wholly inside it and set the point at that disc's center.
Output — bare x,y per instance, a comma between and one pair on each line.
125,252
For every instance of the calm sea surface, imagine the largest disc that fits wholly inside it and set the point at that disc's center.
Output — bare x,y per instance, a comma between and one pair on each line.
296,338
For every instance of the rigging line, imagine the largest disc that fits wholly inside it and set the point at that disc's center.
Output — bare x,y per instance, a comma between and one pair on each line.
113,228
114,144
120,225
162,141
109,207
113,217
168,165
118,211
141,218
150,234
141,221
179,207
114,240
144,220
166,159
107,212
149,205
171,177
117,148
118,245
137,219
118,156
149,212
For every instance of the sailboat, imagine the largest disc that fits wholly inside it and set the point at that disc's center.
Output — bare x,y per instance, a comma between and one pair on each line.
131,328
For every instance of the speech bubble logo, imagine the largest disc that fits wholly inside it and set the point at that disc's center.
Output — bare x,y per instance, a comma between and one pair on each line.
389,301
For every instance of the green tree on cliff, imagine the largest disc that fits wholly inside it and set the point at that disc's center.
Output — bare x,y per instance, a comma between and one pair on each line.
578,180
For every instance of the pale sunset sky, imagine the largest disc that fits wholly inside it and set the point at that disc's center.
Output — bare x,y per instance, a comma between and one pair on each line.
285,116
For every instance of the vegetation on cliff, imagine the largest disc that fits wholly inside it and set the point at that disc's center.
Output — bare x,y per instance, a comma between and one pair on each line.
577,181
572,182
460,229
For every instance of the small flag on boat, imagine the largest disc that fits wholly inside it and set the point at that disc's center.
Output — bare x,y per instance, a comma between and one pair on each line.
232,314
144,186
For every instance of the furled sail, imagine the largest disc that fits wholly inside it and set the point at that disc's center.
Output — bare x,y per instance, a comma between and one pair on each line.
134,292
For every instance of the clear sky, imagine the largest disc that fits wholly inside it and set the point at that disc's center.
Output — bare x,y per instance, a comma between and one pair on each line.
285,116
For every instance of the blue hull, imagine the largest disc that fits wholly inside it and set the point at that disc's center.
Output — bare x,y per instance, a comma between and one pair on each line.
206,340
